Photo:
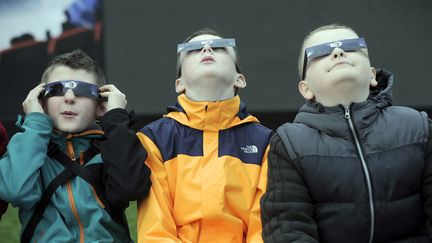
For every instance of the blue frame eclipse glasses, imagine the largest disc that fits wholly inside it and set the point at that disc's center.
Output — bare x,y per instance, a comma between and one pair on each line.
198,45
80,88
327,48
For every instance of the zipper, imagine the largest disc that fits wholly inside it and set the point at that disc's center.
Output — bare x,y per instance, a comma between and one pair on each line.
72,156
74,210
365,169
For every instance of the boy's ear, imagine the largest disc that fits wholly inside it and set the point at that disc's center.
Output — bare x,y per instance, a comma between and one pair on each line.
101,109
305,90
240,81
179,86
373,82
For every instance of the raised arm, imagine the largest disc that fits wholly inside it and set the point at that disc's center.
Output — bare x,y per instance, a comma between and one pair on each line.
20,165
127,177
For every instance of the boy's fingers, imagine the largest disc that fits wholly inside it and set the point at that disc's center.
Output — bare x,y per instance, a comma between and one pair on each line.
31,102
109,87
104,94
104,88
40,89
37,90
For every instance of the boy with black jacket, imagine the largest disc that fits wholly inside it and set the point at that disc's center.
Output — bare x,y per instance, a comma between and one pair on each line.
352,167
53,170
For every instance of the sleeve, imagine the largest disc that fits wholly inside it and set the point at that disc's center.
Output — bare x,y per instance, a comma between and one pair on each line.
427,176
20,165
155,220
127,177
286,207
254,233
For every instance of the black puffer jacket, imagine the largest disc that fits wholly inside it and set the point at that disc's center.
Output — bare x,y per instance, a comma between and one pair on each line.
361,174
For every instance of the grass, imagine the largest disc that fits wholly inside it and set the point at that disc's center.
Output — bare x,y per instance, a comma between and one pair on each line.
10,226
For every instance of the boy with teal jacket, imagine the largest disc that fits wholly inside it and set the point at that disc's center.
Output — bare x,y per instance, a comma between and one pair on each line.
53,170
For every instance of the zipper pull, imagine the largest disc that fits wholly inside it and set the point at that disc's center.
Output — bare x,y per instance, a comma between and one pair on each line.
70,150
347,113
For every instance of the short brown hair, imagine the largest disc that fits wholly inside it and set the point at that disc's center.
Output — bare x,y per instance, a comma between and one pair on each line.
206,31
76,59
319,29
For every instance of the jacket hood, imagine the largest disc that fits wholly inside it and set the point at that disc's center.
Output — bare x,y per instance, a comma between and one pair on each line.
383,92
210,114
331,119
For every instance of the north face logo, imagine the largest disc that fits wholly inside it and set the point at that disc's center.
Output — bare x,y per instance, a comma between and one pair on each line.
250,149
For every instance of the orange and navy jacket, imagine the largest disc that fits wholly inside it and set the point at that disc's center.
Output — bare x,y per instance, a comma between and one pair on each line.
209,171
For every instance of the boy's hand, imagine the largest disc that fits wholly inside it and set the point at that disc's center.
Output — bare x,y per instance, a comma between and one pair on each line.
32,102
116,99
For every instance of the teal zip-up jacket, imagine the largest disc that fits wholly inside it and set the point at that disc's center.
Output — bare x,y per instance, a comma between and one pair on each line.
75,212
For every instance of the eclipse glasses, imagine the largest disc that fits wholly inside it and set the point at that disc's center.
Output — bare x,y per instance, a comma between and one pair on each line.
327,48
79,88
198,45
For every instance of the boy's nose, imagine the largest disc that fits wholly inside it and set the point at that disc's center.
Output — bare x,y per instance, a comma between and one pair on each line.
69,96
337,53
207,48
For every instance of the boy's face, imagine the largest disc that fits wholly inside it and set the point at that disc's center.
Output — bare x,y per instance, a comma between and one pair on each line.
341,72
69,112
207,67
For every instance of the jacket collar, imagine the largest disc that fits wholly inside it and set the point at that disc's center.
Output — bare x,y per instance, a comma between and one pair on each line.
93,131
81,140
332,121
210,115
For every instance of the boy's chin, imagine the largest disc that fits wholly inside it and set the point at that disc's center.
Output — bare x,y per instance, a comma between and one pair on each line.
69,128
345,75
